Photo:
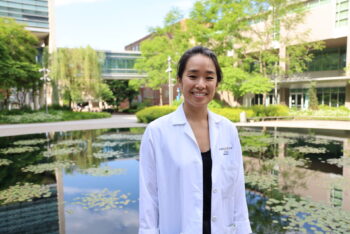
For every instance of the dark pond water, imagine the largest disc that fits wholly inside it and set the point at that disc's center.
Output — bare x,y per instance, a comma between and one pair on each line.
87,181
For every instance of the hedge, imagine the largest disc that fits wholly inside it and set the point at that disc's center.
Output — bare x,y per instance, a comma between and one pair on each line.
149,114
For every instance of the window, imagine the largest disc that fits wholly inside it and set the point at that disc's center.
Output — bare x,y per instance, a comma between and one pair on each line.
341,16
336,197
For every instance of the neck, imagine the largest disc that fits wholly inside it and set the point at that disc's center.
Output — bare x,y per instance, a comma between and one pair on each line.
195,114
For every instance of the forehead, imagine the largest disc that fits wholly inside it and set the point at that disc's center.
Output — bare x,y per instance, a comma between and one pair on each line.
200,62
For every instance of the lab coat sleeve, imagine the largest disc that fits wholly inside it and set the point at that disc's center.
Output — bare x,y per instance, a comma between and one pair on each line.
241,216
148,202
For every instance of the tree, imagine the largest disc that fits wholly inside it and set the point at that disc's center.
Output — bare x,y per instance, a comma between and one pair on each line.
312,93
121,90
169,40
18,68
77,73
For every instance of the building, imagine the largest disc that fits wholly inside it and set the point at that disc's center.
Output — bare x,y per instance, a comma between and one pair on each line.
327,21
120,65
38,18
37,15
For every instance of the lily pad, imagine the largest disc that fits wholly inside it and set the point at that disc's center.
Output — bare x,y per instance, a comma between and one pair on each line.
5,162
31,142
18,150
40,168
104,200
24,192
103,171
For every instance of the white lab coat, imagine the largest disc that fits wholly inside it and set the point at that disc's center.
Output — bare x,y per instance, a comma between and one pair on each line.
171,178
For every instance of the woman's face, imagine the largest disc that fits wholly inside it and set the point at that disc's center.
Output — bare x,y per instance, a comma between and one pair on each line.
199,81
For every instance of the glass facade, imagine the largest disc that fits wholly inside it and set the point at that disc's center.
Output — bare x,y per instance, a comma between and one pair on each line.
33,13
334,96
328,59
341,14
119,63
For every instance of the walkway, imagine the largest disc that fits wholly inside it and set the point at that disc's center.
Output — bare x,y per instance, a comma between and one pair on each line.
116,121
127,121
319,124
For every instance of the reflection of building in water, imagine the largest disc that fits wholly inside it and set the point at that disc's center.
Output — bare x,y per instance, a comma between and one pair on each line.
40,216
37,216
319,184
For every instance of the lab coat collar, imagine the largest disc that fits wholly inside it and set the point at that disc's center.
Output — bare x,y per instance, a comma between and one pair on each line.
179,117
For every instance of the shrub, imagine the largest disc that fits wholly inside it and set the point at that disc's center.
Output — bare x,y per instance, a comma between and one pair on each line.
271,110
232,114
149,114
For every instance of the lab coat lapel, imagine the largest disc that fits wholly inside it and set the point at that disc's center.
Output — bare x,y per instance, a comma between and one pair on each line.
213,134
180,119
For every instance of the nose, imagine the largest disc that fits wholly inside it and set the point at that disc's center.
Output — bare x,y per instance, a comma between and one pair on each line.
200,83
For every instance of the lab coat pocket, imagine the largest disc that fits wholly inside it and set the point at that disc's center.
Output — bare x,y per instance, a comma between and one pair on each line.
229,174
231,229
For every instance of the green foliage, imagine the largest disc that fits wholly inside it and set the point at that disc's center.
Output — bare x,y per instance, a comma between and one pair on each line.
232,114
24,193
323,112
77,73
149,114
121,90
52,116
240,82
271,110
17,61
313,103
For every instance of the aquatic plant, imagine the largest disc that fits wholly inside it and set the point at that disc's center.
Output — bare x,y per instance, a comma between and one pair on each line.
261,182
40,168
71,142
110,154
310,150
24,193
298,213
5,162
53,152
31,142
18,150
111,143
104,200
340,162
103,171
121,137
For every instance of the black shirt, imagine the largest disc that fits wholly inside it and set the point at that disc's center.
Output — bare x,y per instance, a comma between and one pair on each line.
207,165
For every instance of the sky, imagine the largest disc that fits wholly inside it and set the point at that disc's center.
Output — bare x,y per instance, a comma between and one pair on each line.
110,24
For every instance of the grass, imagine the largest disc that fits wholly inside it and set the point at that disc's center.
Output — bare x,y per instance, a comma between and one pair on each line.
17,117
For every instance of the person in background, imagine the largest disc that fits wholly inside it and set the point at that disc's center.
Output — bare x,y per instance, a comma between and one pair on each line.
191,167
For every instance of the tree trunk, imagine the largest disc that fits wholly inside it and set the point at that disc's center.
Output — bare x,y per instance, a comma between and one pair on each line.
160,96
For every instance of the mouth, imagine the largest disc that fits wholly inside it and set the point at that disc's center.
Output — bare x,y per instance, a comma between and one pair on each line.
197,94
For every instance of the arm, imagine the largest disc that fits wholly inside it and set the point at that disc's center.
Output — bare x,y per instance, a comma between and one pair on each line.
241,215
148,202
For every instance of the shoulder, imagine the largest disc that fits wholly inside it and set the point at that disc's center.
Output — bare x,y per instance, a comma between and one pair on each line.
225,123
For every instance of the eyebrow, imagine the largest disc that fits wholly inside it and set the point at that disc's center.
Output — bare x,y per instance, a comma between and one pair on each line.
208,72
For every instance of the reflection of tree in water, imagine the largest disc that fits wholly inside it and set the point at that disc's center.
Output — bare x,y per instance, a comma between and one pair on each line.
304,215
30,153
277,166
262,220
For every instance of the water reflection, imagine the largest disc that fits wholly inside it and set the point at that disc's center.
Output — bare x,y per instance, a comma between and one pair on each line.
89,191
297,181
304,176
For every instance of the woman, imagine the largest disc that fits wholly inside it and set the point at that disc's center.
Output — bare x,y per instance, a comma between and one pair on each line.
191,169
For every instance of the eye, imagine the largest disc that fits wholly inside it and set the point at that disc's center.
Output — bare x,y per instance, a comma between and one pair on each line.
210,78
192,76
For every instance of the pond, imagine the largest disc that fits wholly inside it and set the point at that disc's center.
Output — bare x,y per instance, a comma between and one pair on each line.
297,181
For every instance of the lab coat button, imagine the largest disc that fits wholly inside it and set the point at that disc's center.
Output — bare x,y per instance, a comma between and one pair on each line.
215,190
213,219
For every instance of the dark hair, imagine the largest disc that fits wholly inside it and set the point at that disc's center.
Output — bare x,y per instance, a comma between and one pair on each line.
194,51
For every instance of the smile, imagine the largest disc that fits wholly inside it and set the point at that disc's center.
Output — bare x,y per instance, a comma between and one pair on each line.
199,94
